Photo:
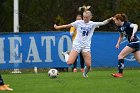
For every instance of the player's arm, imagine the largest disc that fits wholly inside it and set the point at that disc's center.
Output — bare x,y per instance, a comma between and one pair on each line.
135,28
119,40
104,22
62,26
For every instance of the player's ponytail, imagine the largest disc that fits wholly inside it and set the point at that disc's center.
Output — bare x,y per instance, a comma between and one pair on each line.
84,8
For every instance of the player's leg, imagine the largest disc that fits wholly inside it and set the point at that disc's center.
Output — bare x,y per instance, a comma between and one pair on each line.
1,83
137,51
87,58
66,57
72,57
81,62
137,55
1,80
75,66
4,86
127,50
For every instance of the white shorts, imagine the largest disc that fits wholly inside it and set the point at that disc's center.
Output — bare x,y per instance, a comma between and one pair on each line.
79,48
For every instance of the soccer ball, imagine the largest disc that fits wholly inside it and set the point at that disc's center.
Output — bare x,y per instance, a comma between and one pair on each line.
53,73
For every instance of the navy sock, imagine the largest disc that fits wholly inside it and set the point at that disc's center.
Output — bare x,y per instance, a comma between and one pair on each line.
75,64
81,60
1,80
120,65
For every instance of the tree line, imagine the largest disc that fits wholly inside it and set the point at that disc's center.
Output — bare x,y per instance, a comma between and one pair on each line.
40,15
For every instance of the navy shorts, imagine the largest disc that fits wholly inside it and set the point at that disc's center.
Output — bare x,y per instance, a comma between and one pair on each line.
135,46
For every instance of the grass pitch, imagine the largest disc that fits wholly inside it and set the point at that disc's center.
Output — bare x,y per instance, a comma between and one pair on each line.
69,82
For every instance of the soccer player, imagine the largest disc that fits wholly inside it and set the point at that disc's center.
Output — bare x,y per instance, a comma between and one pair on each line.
73,34
128,30
82,41
4,86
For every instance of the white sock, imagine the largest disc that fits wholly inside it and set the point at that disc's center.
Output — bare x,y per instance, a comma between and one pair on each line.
66,57
86,70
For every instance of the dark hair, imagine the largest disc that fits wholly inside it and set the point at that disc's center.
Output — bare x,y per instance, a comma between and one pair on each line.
121,17
78,15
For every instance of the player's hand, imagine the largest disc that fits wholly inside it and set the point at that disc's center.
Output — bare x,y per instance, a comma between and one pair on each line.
132,38
111,18
55,26
117,46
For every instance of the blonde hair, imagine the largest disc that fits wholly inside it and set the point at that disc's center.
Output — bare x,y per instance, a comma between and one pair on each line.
85,8
87,12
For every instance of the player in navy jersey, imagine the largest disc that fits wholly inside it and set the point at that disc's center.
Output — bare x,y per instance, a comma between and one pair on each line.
128,30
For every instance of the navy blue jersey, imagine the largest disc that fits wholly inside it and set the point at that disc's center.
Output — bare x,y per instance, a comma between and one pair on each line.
127,31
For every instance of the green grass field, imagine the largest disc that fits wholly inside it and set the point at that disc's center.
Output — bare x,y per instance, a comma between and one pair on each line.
69,82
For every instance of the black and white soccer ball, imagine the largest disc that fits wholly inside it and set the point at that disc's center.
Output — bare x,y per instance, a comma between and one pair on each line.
53,73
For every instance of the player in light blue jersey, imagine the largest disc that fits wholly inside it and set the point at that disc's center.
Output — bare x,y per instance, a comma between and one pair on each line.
82,41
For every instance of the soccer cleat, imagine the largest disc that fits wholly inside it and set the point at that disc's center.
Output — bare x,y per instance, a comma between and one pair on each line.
82,70
85,75
117,75
74,70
